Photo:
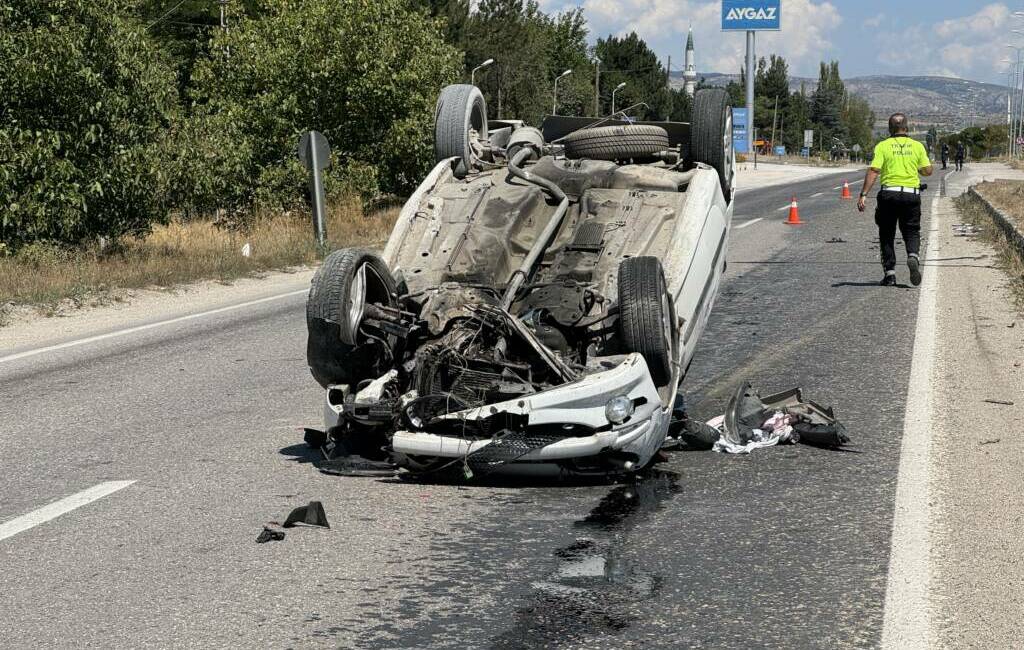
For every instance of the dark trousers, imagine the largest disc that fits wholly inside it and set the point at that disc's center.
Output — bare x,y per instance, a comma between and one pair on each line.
944,160
903,210
959,163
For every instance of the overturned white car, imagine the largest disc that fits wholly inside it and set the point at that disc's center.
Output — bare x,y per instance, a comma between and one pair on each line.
539,299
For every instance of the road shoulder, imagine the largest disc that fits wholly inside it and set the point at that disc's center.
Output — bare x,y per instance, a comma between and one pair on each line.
978,447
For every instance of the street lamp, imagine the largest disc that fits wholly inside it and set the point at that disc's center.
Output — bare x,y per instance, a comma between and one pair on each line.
554,106
472,75
597,86
617,89
1017,103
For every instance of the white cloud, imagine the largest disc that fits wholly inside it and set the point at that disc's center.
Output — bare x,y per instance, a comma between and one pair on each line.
969,47
875,21
804,40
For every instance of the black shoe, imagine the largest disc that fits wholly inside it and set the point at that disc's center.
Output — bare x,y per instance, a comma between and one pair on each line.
914,265
889,280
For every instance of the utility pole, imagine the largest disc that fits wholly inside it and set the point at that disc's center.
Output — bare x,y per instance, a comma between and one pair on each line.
775,117
223,14
751,71
597,87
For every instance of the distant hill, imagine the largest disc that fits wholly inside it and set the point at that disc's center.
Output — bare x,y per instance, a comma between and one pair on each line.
943,101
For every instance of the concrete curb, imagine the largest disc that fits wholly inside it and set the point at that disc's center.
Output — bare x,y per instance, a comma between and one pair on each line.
1006,224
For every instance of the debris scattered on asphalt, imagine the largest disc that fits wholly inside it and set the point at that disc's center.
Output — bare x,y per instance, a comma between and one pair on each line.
835,240
751,422
310,515
353,465
965,230
989,442
1013,324
1001,402
270,533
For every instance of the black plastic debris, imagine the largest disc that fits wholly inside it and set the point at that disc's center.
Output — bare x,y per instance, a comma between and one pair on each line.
315,438
310,515
270,533
357,466
835,240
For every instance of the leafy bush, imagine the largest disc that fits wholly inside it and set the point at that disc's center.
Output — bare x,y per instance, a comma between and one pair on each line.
365,74
86,103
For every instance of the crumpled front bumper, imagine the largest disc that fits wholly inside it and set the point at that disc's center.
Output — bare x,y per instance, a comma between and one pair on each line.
582,403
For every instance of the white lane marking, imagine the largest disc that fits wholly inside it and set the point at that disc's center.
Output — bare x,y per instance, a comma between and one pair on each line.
785,207
907,621
814,196
748,223
58,508
142,328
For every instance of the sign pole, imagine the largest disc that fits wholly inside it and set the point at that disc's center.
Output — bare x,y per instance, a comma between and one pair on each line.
751,71
315,154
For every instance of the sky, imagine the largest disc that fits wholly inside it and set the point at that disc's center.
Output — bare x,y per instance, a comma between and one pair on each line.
965,39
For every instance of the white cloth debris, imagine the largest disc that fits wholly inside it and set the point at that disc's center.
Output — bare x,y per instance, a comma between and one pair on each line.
774,431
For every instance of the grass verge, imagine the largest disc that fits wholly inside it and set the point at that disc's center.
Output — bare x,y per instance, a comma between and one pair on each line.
999,194
48,277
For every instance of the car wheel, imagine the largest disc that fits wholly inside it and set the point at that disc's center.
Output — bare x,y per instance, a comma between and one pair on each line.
344,284
711,135
647,319
635,141
459,118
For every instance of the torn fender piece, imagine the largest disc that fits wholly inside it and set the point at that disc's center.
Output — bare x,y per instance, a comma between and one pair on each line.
310,515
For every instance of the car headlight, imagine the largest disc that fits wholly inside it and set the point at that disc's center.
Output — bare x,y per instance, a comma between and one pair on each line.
618,409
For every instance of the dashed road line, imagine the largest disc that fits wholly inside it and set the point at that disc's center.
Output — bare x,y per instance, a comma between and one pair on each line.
149,326
814,196
58,508
748,223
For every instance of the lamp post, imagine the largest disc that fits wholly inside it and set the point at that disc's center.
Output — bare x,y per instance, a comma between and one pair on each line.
617,89
554,104
1017,99
597,87
472,75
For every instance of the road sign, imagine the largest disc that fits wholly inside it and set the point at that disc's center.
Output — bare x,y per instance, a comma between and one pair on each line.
808,138
780,150
314,150
739,130
751,15
806,152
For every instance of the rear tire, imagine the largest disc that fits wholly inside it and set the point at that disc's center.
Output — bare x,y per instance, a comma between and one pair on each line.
711,135
460,108
335,352
634,141
647,320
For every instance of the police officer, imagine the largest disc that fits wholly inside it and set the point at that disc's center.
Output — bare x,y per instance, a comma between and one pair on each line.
945,154
898,160
960,151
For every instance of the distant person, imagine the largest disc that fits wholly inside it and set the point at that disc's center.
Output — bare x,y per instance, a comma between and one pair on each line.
960,152
898,160
945,154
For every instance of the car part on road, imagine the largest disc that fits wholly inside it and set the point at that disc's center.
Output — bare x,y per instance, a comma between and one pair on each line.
531,314
751,422
270,533
632,142
309,515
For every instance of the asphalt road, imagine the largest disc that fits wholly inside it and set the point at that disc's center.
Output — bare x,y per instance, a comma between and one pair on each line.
787,547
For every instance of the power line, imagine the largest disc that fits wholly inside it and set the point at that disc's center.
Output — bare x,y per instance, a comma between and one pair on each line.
166,14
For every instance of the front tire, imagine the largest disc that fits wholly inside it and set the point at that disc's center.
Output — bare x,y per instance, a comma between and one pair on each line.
647,320
461,110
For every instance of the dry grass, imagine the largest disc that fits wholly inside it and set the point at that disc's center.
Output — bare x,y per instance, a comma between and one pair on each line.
1000,194
177,253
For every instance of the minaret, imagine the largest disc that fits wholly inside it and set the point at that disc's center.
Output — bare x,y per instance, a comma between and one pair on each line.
690,73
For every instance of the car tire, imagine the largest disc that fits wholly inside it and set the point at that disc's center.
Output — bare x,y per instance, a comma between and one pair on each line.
335,352
711,135
634,141
460,109
647,321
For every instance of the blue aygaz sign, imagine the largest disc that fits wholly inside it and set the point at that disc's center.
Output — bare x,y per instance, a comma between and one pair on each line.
747,15
739,130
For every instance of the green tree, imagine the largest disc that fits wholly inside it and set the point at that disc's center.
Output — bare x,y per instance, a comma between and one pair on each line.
365,74
827,104
629,59
87,100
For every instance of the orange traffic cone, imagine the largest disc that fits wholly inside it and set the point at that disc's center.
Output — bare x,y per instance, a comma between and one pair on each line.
846,191
794,214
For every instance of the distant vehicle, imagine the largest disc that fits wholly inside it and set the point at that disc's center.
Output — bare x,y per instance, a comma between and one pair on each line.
539,299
